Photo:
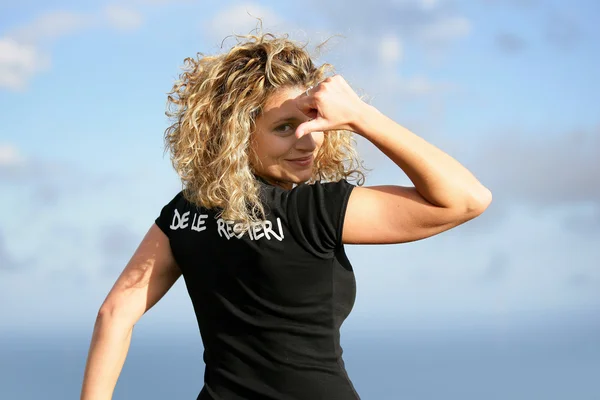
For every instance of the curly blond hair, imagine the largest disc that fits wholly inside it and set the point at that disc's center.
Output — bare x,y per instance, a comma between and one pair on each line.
214,105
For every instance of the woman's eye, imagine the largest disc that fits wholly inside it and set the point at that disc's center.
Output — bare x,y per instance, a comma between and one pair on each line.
284,128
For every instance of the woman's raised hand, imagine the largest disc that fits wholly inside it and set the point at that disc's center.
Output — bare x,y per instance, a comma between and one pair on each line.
332,104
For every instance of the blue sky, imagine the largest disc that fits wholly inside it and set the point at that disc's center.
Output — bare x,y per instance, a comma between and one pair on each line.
509,88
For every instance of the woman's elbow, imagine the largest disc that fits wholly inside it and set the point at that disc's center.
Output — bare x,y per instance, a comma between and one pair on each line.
116,316
478,202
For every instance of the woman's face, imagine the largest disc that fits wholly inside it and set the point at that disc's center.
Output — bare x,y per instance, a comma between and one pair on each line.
280,157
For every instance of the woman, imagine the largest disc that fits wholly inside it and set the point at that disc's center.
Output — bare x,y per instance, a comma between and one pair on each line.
262,142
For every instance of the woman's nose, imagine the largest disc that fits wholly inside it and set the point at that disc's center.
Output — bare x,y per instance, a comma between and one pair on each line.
306,142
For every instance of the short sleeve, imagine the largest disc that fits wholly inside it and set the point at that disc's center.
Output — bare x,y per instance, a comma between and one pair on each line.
163,221
316,214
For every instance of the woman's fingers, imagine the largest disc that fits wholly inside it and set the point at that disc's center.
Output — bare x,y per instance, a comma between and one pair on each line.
307,103
332,104
318,124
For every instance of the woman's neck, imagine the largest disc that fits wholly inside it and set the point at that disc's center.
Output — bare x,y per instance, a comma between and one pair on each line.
272,182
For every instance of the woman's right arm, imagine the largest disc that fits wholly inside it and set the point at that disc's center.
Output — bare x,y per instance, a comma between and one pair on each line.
150,273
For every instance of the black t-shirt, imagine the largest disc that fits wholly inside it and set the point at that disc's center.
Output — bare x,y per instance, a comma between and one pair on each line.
269,301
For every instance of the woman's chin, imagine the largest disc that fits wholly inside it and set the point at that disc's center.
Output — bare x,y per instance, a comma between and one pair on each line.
299,178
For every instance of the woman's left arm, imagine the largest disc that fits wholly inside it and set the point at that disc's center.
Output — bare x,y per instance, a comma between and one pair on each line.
438,177
445,194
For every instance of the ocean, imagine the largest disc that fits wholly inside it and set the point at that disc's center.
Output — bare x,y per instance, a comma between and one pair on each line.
560,363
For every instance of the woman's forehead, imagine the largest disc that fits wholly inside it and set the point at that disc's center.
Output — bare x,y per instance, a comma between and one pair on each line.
283,98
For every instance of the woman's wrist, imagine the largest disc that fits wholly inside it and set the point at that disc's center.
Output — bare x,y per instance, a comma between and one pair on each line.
369,122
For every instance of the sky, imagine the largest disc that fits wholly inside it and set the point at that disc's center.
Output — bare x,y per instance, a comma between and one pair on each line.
509,88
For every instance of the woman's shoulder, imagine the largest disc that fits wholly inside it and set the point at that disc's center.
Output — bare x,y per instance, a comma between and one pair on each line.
322,190
304,193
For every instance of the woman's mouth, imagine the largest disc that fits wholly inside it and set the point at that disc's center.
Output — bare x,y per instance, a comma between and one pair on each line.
302,161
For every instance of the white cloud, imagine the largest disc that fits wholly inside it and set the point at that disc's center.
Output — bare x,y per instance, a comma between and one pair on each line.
429,23
544,169
7,261
122,18
241,19
420,85
423,4
24,50
390,50
18,63
429,4
9,155
52,26
160,2
444,30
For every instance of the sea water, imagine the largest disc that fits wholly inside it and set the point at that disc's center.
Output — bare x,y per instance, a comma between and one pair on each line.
544,364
